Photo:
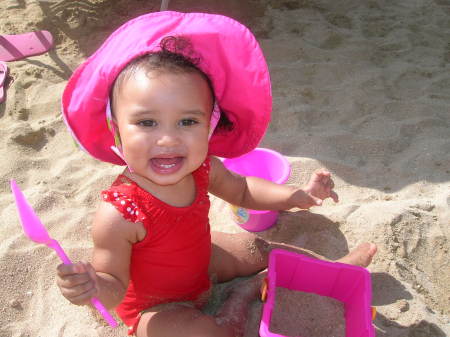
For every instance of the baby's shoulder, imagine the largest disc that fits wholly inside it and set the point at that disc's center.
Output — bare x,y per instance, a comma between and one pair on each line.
215,166
110,223
218,173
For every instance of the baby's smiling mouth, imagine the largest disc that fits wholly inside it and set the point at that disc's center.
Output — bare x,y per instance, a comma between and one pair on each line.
166,165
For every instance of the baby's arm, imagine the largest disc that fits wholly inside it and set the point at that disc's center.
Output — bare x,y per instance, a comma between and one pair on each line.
107,278
256,193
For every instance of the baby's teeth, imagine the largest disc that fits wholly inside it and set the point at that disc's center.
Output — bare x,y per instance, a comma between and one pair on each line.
167,166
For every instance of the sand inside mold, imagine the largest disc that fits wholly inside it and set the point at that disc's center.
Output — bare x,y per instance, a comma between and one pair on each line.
297,313
361,88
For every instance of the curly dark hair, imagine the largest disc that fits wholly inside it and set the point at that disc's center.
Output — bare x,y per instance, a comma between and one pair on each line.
176,56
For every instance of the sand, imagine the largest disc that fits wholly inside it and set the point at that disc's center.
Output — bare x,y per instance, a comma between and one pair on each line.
359,87
315,315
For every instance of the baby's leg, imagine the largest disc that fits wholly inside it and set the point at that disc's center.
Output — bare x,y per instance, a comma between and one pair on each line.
360,256
181,320
237,255
243,254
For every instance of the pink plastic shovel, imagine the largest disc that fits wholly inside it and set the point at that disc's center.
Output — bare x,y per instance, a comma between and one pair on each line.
36,231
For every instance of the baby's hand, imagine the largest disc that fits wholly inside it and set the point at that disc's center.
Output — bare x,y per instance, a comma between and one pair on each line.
319,187
77,282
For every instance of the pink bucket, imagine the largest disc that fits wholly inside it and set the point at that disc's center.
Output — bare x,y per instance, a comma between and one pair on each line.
346,283
261,163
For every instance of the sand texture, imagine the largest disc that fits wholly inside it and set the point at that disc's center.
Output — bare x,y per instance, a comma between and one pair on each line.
297,313
359,87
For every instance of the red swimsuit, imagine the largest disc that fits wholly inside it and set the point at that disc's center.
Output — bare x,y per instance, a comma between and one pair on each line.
171,263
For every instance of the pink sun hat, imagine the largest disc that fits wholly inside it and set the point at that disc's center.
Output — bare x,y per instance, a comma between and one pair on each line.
229,55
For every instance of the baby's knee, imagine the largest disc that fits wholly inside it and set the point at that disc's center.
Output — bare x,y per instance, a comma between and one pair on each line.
262,245
208,326
181,321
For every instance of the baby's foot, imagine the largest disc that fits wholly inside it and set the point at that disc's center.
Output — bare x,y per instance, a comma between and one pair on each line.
361,255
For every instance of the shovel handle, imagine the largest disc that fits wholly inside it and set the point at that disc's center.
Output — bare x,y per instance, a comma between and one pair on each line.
58,249
94,300
104,312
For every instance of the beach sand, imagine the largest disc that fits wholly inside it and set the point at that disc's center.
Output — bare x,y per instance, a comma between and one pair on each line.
361,88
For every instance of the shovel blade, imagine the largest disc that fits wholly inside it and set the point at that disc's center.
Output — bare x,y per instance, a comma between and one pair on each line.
31,224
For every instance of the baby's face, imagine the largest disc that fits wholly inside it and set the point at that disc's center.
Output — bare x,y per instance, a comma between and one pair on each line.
163,121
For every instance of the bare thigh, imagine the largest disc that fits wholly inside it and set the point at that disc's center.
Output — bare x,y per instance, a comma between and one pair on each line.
244,254
180,320
236,255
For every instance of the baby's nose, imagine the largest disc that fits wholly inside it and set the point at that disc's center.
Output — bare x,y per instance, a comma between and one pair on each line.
168,138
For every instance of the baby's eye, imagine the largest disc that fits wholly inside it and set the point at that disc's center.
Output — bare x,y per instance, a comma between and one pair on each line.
147,122
188,122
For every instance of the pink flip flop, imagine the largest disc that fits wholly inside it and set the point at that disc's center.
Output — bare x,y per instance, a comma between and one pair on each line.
3,74
19,46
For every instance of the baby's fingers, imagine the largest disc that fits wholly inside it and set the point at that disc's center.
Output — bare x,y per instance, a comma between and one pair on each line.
320,176
323,174
330,183
80,294
73,280
64,270
334,196
329,188
77,282
316,201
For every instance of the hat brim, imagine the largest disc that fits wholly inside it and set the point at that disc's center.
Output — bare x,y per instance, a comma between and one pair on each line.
229,55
